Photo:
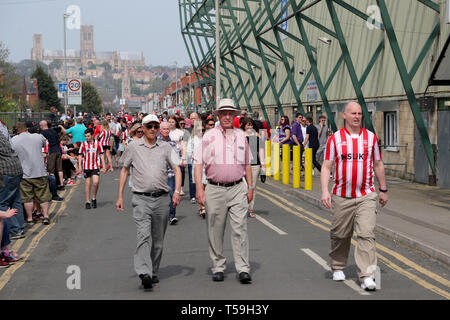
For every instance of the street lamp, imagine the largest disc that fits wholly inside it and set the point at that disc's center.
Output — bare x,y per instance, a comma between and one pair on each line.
65,16
176,85
217,54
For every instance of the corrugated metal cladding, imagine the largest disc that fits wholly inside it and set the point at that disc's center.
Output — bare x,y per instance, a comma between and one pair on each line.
413,23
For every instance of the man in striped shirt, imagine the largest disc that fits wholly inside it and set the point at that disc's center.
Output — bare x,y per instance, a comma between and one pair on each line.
356,155
90,152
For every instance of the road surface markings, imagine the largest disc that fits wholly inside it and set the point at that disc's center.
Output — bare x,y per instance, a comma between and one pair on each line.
19,242
6,276
389,263
380,247
271,226
352,284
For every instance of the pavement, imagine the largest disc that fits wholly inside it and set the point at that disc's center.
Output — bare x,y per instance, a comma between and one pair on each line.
416,215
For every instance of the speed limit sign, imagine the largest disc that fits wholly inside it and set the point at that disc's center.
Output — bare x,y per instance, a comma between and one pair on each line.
74,91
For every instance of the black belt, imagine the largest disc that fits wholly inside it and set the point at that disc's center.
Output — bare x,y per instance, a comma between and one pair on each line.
225,184
155,194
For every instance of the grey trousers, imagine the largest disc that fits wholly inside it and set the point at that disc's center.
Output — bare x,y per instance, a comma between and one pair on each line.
220,203
151,216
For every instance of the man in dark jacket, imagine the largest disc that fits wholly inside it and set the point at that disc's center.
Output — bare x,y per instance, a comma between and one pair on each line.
312,136
54,161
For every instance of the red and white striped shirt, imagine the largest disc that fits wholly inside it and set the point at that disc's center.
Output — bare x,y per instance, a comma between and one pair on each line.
91,155
45,150
124,136
354,159
105,137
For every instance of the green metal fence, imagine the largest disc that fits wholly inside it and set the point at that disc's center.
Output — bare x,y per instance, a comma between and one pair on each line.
11,118
253,53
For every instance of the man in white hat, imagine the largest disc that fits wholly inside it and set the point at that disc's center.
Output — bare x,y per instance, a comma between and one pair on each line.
225,153
150,159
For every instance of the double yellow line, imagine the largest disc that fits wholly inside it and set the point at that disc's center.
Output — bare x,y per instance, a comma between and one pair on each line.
6,276
324,224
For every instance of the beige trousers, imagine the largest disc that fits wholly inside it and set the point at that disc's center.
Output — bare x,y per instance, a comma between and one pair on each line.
220,203
358,213
255,175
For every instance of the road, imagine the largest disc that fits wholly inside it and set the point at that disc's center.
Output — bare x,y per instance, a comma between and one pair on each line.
289,244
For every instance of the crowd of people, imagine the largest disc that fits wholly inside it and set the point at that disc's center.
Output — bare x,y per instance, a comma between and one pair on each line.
223,154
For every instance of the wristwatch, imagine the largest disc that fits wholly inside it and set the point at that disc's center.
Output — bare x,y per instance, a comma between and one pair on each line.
176,191
383,190
250,187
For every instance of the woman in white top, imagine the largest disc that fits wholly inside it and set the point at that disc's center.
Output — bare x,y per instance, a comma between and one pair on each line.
176,134
194,141
248,125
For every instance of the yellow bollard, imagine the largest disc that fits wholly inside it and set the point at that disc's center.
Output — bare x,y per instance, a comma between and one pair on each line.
308,169
268,158
276,161
286,163
296,167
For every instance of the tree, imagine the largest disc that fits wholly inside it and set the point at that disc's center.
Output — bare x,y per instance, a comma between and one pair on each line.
9,79
91,101
48,95
25,68
55,64
107,66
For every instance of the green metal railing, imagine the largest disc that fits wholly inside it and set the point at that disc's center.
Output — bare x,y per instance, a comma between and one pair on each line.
245,48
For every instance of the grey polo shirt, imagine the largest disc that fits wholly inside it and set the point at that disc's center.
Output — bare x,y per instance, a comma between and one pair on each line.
149,164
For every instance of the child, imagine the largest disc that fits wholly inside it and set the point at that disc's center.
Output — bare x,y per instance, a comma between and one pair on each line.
105,140
90,151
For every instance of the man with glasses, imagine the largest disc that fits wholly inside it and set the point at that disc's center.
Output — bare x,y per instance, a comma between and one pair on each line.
225,153
150,159
323,137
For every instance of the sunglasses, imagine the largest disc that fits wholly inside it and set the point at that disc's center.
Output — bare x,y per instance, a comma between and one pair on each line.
140,131
152,126
182,124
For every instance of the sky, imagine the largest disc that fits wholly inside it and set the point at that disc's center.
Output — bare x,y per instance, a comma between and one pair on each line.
150,26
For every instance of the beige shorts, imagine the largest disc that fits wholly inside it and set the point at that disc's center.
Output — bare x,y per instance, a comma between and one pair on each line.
35,188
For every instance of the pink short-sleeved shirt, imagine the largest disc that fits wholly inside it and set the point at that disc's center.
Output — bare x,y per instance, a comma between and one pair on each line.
224,157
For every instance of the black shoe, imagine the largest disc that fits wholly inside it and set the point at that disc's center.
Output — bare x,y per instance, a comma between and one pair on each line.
146,281
218,276
94,203
173,221
60,188
245,278
155,279
46,221
88,205
57,198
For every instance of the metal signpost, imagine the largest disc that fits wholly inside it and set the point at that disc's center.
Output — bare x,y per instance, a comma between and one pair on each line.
74,92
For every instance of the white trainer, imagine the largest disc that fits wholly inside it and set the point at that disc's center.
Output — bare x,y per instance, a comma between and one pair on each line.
368,284
338,275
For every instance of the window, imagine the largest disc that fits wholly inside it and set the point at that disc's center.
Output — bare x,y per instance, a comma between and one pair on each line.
390,131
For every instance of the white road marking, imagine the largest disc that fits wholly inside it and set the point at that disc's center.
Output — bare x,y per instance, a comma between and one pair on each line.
350,283
271,226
